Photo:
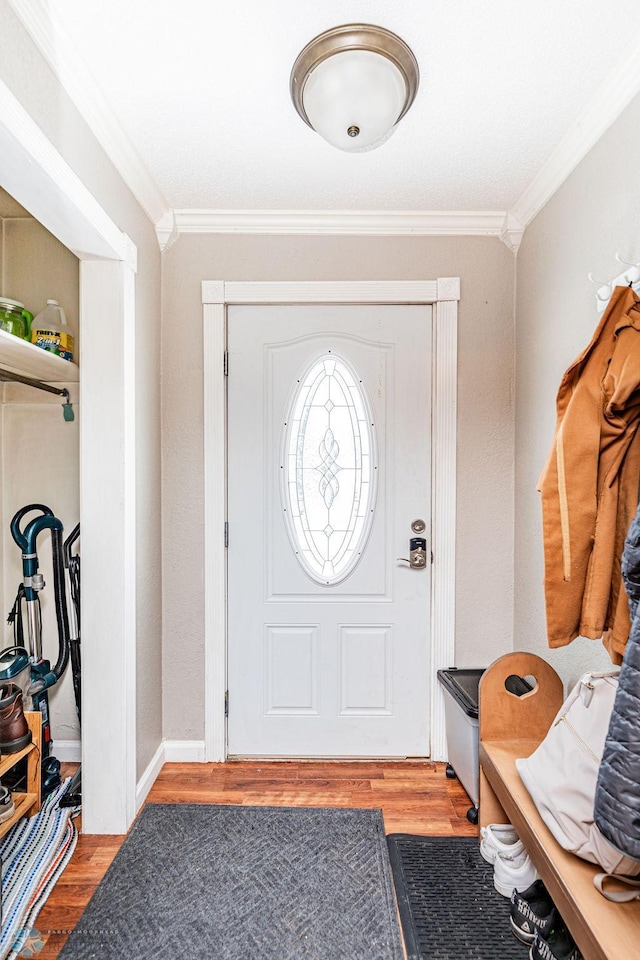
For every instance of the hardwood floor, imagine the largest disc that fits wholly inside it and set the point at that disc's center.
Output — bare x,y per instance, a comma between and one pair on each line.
415,797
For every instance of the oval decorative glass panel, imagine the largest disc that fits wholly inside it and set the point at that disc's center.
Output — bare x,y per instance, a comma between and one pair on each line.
329,470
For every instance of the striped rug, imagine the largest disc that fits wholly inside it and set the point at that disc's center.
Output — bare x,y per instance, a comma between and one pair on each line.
34,854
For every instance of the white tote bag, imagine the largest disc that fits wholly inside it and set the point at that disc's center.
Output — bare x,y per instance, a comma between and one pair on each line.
562,772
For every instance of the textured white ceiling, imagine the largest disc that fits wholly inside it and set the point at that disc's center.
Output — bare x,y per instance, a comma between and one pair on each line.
202,90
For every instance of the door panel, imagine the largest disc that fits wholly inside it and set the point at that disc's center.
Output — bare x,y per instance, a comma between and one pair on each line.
328,643
291,671
365,680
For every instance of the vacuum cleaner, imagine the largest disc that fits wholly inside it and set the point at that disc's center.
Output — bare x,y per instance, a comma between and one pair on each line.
42,676
73,796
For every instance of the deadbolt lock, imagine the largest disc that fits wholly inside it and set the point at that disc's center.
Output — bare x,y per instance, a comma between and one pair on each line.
417,558
418,526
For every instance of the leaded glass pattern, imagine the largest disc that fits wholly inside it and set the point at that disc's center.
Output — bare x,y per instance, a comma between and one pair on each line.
329,470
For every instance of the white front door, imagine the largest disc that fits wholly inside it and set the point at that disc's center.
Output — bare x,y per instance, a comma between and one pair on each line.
328,467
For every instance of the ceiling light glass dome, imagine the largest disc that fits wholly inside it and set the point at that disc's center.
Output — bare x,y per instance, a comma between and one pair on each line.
352,84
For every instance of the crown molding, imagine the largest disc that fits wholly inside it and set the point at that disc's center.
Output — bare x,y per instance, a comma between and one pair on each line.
512,232
454,223
67,64
608,103
167,230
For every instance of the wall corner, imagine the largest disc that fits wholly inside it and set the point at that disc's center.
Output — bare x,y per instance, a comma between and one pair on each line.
512,232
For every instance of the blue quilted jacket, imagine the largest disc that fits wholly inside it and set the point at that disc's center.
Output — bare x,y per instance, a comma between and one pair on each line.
617,803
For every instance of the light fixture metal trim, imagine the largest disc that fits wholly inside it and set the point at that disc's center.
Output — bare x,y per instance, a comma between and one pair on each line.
354,36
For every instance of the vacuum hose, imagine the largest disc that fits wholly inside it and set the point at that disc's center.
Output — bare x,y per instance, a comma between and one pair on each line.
72,566
27,542
62,618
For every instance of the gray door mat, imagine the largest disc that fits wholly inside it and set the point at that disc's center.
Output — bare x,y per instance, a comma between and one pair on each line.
448,906
238,883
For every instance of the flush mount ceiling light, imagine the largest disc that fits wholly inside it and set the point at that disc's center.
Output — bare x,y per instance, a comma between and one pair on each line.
352,84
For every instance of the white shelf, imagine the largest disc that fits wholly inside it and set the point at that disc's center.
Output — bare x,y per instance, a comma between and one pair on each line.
18,356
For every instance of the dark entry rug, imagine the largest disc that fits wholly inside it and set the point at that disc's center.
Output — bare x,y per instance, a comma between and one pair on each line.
448,905
244,883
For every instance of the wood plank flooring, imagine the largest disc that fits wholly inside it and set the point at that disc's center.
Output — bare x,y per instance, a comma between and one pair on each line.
415,797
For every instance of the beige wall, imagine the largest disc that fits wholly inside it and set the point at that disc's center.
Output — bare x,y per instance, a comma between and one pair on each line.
484,607
595,214
33,83
37,268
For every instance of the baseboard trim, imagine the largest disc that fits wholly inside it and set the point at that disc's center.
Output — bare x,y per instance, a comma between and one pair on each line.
68,751
184,751
169,751
149,776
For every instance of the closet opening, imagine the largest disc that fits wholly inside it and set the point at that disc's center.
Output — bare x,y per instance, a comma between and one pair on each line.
101,299
39,475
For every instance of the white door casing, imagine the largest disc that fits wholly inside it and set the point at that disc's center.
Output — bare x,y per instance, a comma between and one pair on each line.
38,177
329,460
216,296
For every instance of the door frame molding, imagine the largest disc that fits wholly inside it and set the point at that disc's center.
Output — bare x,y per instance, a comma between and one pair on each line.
443,295
40,179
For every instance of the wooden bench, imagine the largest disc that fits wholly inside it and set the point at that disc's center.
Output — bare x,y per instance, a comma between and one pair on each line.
512,727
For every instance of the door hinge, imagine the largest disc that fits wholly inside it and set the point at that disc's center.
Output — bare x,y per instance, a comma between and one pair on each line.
226,533
432,556
226,703
226,363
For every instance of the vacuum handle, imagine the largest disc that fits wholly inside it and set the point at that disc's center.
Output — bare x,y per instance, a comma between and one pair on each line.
48,522
29,567
29,552
16,532
69,542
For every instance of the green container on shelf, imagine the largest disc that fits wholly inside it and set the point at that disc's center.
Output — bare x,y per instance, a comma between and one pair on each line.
28,318
14,318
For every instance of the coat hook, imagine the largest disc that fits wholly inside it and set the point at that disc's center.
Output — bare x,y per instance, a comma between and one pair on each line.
604,291
633,275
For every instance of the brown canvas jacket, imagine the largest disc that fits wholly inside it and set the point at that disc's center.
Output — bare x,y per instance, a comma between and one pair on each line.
589,485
